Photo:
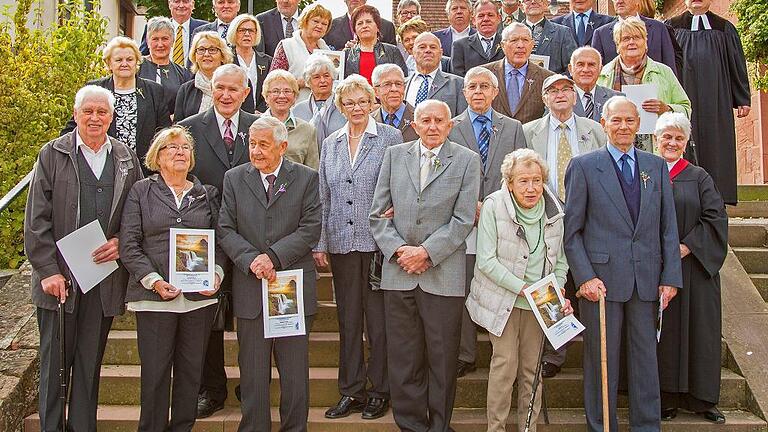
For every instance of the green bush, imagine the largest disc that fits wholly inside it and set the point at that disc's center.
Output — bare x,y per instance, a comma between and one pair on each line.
753,29
40,72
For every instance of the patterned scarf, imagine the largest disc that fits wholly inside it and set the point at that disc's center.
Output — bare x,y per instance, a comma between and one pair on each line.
204,85
629,75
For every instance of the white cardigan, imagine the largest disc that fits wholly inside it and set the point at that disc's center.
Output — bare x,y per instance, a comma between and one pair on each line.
297,53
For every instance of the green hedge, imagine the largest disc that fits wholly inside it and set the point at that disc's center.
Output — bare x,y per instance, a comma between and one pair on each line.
753,29
40,72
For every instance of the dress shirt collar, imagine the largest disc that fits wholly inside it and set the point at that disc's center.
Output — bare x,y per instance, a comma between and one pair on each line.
700,21
581,92
423,149
295,16
399,112
587,12
290,122
235,121
276,172
554,123
459,34
184,25
522,69
637,15
370,128
431,74
492,38
473,115
670,165
107,146
532,25
616,153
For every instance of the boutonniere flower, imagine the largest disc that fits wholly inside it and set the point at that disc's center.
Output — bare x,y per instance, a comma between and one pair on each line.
583,138
436,163
123,171
192,199
262,68
530,83
242,136
545,39
140,92
644,177
591,24
406,123
165,71
281,189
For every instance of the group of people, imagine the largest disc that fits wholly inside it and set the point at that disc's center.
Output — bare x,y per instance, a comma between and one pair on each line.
429,142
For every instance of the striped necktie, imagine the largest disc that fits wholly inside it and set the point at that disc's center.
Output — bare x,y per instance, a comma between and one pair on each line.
178,47
589,108
484,139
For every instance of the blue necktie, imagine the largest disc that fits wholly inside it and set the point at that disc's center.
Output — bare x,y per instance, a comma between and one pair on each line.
484,139
581,30
421,95
513,91
626,171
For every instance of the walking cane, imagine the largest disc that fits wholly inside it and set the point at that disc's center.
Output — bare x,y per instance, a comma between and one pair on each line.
604,366
536,380
62,367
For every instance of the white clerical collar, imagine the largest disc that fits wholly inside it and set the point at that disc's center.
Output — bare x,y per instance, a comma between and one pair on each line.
703,19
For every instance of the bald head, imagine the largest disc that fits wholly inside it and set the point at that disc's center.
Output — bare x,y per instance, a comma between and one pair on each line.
427,52
432,122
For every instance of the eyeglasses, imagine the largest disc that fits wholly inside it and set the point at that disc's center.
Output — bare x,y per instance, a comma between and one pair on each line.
631,38
526,183
407,13
482,86
558,91
174,148
246,31
207,50
388,84
278,92
350,105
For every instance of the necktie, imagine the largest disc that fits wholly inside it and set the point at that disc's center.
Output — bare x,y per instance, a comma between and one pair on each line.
229,137
224,28
421,95
626,170
581,31
288,27
536,31
513,91
589,107
488,42
271,186
484,139
178,47
391,119
564,156
425,168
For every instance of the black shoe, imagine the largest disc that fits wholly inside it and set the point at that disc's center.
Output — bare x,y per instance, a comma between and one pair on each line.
464,368
714,415
207,406
549,370
344,407
375,408
668,414
237,393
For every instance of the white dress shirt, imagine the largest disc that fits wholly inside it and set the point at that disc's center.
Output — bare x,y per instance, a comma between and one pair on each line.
252,71
294,21
184,37
415,84
459,34
264,175
553,140
220,121
422,150
370,128
95,160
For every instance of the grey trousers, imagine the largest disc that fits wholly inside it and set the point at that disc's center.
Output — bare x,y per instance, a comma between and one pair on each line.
86,336
468,345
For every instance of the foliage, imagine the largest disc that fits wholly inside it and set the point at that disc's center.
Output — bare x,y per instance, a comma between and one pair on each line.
40,72
203,8
753,29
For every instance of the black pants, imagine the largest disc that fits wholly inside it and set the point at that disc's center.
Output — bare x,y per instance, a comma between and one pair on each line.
214,381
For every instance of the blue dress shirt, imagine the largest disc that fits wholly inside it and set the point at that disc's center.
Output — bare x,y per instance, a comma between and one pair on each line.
616,155
520,77
398,115
477,127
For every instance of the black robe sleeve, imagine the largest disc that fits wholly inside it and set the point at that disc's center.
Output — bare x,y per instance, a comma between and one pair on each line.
738,68
708,239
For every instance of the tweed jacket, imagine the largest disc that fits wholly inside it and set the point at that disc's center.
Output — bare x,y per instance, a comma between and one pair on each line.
149,213
189,98
599,97
340,33
406,125
286,229
302,144
557,43
447,88
439,217
595,21
531,106
469,52
52,212
383,53
346,190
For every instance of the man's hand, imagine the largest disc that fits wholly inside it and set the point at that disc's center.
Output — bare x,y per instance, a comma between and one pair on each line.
56,286
216,285
742,111
655,106
413,259
166,290
666,294
592,290
684,251
262,266
321,259
477,212
388,213
106,252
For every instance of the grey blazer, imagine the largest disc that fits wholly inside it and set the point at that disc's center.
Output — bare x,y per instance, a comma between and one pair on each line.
600,238
557,43
439,218
406,125
383,53
591,135
286,229
328,120
601,95
447,88
468,53
346,190
507,137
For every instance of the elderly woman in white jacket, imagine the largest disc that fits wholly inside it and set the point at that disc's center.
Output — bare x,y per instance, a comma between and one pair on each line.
519,241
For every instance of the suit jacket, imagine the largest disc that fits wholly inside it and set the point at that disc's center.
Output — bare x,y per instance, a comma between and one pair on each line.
189,98
468,53
272,30
327,120
383,53
340,33
439,218
263,61
531,106
557,43
406,124
211,159
446,38
148,71
660,44
600,239
596,20
600,95
447,88
507,137
286,229
193,25
211,26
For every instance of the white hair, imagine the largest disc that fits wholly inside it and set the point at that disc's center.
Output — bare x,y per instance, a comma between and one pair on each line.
385,68
583,50
481,71
279,131
507,32
479,3
158,23
673,120
449,4
229,69
315,64
523,156
405,3
430,102
613,101
91,92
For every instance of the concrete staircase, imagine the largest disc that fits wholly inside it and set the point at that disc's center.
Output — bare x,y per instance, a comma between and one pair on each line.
749,240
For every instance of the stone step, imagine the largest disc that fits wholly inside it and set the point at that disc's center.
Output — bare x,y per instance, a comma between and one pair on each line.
113,418
749,209
753,259
747,232
120,385
761,283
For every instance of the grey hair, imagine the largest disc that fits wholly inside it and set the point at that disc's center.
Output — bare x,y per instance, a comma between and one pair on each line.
406,3
479,3
673,120
523,156
279,131
481,71
385,68
350,83
229,69
507,32
428,103
583,50
315,64
449,4
91,92
613,101
158,23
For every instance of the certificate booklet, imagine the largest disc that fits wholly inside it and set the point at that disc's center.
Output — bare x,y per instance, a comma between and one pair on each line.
338,60
639,93
192,264
547,304
77,248
540,60
282,304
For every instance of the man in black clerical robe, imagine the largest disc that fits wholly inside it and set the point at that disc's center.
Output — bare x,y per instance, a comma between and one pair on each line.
713,54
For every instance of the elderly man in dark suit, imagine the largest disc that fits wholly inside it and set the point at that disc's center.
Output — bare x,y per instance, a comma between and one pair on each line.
582,21
221,137
491,135
81,177
621,242
181,15
424,264
482,47
429,82
278,23
549,39
520,81
225,11
459,18
270,220
389,86
342,32
586,64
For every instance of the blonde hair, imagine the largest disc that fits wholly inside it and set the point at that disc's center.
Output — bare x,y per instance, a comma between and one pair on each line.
315,10
235,25
279,74
631,25
161,141
217,41
414,24
523,156
118,42
351,83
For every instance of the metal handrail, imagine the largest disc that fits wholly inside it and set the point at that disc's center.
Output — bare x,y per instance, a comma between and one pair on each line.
12,194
